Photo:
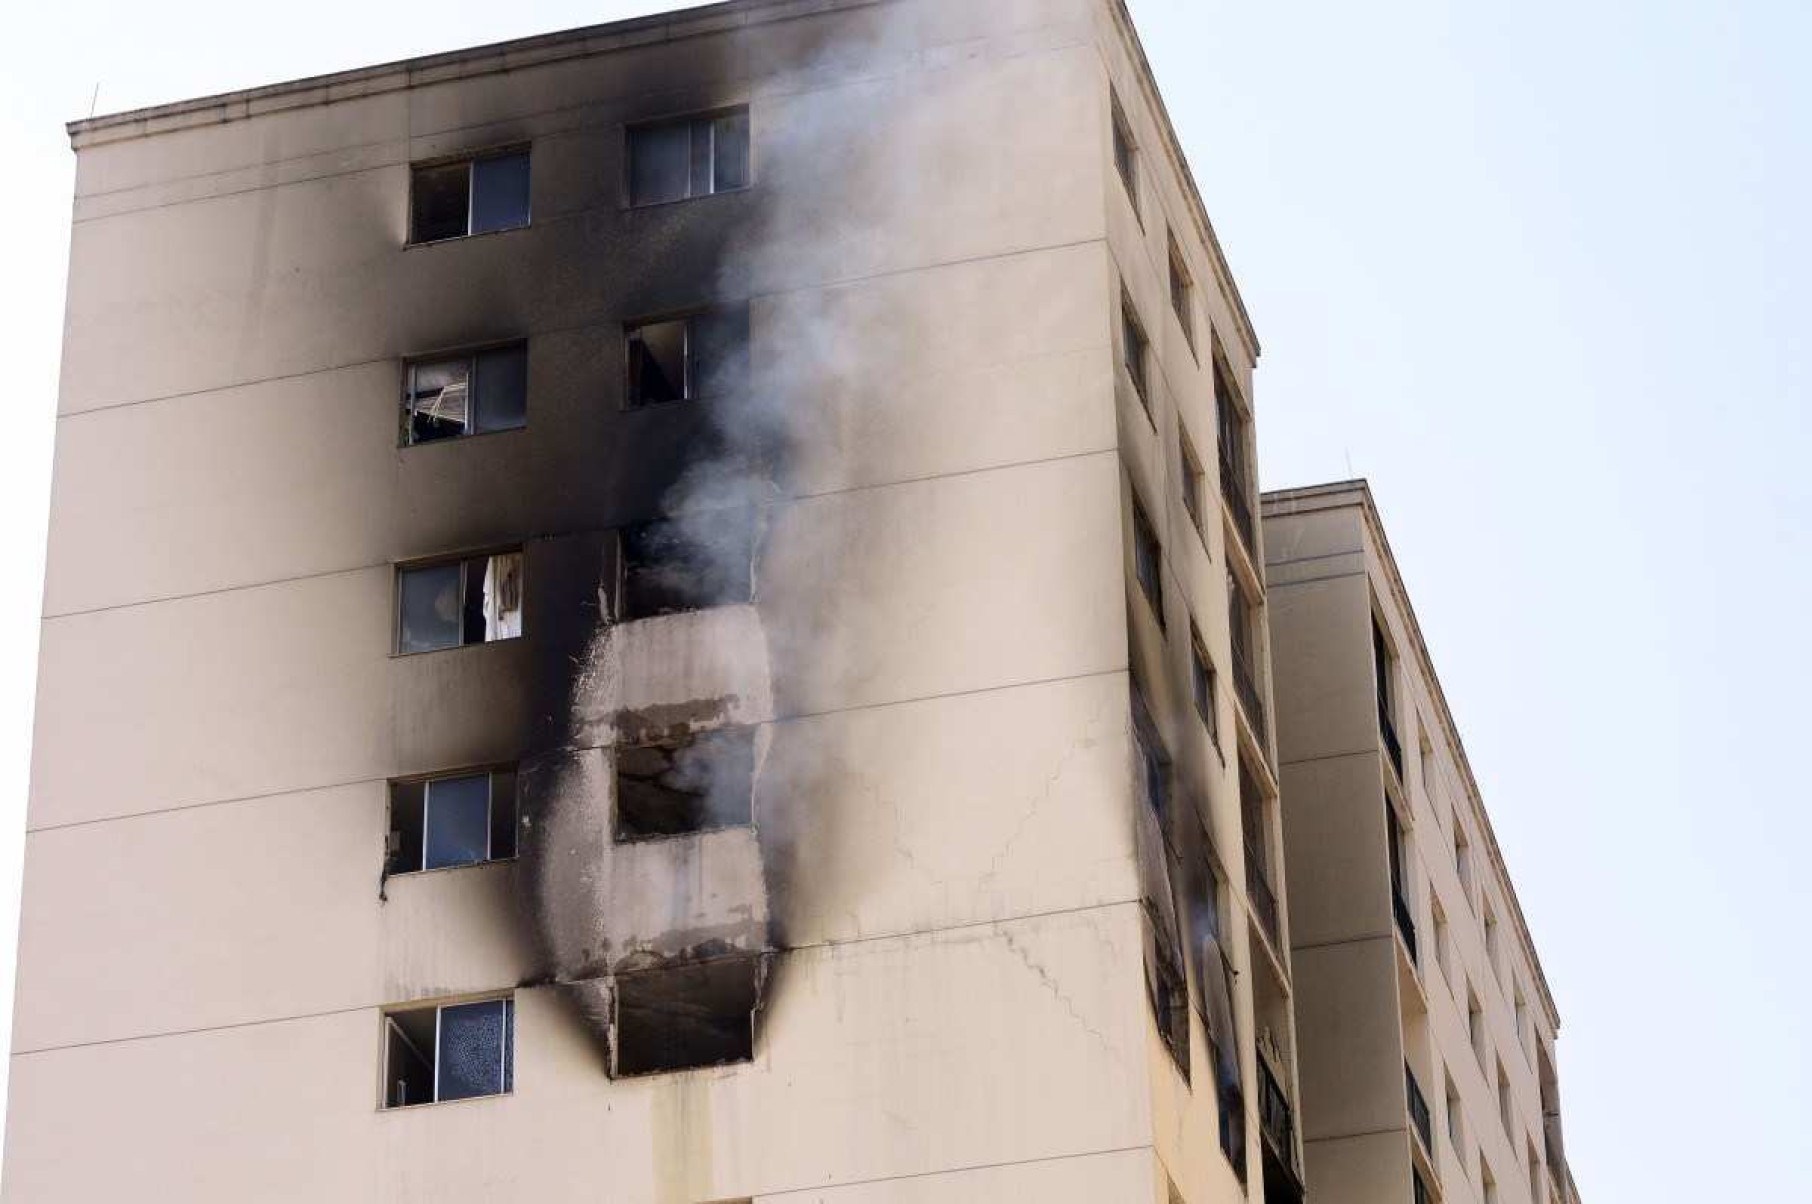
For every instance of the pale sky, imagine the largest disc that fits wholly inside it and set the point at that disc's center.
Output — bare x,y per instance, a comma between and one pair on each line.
1540,272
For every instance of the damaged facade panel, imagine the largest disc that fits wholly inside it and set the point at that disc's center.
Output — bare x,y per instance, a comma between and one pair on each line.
696,783
695,561
687,1017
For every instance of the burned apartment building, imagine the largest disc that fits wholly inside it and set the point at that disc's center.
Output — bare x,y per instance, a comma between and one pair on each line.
664,613
1428,1029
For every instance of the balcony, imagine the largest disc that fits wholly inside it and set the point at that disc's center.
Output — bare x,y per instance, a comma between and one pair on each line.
1406,923
1418,1110
1278,1123
1264,899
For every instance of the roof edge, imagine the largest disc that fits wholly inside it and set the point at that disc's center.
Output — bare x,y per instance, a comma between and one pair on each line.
431,68
1336,495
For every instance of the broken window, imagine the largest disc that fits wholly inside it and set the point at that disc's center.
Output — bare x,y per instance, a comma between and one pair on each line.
471,196
697,784
473,601
691,562
474,394
440,823
1202,685
450,1052
1152,763
1182,293
681,359
686,1017
1169,991
1148,561
689,157
1126,156
1137,351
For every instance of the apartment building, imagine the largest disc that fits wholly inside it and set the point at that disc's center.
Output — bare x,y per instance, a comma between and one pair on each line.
1428,1030
666,613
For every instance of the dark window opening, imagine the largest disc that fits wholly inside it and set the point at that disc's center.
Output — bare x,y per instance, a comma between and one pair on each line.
1137,352
1194,486
1202,686
1148,562
1126,156
692,562
690,157
1152,762
459,395
681,359
699,784
474,196
446,822
472,601
1182,293
459,1051
687,1017
1169,992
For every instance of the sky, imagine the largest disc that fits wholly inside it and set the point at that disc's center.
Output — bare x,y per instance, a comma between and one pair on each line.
1540,272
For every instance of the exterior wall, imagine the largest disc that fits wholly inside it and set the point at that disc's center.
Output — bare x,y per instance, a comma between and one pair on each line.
1367,1005
938,650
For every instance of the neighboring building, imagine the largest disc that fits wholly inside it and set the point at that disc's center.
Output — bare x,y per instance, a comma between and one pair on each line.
1428,1063
665,613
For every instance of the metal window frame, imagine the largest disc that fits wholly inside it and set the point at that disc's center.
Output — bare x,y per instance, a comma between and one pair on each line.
464,561
470,160
505,1079
690,120
469,353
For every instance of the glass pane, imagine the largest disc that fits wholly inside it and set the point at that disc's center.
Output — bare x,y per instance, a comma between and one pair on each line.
503,814
502,388
657,363
437,202
472,1039
500,193
405,828
660,159
731,151
437,399
701,157
429,609
458,822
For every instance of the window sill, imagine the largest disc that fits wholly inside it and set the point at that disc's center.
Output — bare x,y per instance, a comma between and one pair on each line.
630,206
398,654
386,1109
394,875
510,430
412,244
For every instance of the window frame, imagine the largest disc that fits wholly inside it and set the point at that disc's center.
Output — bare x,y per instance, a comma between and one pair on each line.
464,561
688,119
425,780
387,1021
1182,293
1195,486
470,354
1144,532
470,160
1204,688
1136,356
1124,151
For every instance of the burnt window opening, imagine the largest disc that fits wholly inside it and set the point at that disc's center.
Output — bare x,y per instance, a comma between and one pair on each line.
477,600
1150,759
1126,156
691,562
1137,350
1169,991
702,783
442,823
686,358
471,196
1148,561
1203,686
689,157
1182,293
451,396
686,1017
450,1052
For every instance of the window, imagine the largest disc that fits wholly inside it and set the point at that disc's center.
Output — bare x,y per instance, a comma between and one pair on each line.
1535,1192
1195,485
1182,293
691,562
1524,1028
1126,156
689,157
700,783
685,358
1152,762
1505,1110
455,1051
473,601
1202,686
1167,988
451,396
686,1017
1443,943
440,823
1494,953
471,196
1462,861
1475,1027
1148,561
1489,1182
1137,350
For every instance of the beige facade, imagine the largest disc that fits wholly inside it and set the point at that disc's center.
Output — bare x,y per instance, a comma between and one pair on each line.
1428,1031
1004,914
